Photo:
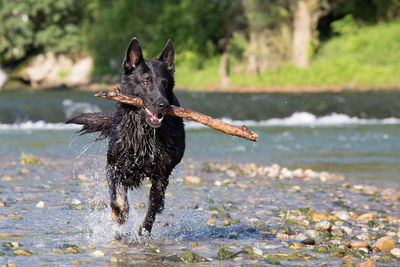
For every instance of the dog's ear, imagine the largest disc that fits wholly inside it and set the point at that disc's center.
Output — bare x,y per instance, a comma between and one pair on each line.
133,55
168,55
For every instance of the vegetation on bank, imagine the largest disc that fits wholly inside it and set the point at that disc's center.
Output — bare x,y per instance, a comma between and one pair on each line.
219,44
367,55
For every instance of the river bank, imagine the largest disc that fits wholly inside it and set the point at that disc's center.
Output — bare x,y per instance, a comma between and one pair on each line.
216,213
96,87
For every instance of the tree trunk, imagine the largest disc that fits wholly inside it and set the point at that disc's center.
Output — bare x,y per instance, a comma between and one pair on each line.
252,65
223,69
301,33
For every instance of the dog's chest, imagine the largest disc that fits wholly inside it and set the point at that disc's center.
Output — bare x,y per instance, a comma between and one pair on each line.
136,149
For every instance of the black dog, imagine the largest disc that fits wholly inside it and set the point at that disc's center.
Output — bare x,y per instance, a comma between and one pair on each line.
143,142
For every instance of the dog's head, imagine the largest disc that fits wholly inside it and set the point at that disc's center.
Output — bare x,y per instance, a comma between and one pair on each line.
151,80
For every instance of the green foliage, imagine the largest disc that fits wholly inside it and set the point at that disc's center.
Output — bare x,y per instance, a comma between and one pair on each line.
367,56
189,77
346,25
203,29
195,26
28,26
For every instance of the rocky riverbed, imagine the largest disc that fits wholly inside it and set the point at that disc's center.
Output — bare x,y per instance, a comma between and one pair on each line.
54,212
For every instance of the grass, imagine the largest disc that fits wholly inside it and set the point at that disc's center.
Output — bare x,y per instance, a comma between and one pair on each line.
368,56
188,77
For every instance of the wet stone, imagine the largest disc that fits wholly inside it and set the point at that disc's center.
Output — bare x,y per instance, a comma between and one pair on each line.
40,204
383,244
22,252
98,253
225,254
323,225
115,259
367,264
308,241
296,246
358,244
395,252
311,233
192,180
343,215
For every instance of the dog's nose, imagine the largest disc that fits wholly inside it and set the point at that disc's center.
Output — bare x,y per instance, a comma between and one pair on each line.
162,105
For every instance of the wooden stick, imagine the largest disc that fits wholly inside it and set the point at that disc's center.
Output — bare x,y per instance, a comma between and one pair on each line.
186,113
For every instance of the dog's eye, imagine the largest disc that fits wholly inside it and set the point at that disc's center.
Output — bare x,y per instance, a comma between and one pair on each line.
145,83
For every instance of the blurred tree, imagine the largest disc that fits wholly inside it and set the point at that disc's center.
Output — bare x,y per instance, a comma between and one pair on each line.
268,24
34,26
306,16
195,26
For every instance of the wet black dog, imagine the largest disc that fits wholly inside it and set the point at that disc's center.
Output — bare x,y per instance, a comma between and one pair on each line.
143,142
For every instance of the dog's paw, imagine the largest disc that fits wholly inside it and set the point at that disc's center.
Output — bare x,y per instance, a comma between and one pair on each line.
143,232
119,216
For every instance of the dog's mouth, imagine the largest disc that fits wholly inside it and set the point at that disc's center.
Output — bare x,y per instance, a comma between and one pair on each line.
153,119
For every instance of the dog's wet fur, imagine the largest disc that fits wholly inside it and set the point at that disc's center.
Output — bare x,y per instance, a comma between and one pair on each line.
143,142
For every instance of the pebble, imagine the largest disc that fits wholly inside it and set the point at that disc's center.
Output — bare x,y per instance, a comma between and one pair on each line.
23,252
257,251
2,204
285,173
310,174
366,217
324,176
358,244
40,204
318,216
363,236
298,173
98,253
295,188
311,233
295,246
211,222
223,183
301,236
282,236
347,230
342,214
395,252
76,202
323,225
308,241
192,180
383,244
24,171
7,178
367,264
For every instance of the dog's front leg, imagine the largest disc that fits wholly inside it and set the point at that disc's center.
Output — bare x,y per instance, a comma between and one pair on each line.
118,198
154,206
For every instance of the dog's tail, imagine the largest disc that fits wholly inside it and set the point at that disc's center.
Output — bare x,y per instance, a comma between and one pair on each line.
94,122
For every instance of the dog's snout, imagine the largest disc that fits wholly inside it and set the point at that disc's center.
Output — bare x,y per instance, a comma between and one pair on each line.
163,105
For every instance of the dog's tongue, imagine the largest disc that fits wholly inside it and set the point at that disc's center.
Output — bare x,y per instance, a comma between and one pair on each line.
153,117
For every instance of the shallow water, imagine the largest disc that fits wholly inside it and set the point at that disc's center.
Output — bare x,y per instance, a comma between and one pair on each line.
359,141
350,133
243,212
